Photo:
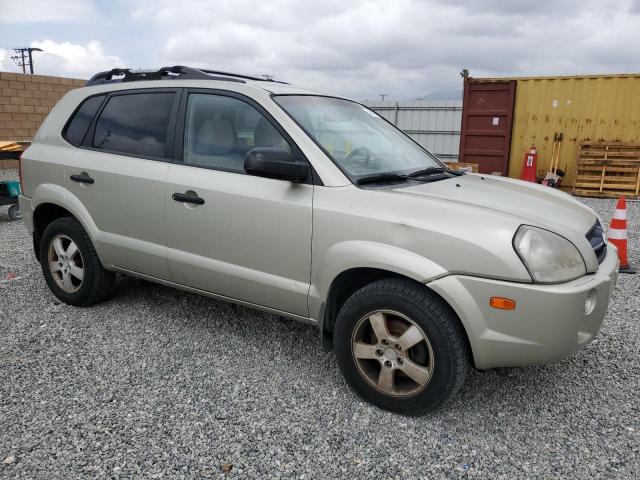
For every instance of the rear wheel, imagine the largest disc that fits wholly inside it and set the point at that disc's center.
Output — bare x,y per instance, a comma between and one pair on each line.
400,347
14,212
71,265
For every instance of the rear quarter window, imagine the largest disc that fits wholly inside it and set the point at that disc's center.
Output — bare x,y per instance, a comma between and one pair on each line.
135,124
77,126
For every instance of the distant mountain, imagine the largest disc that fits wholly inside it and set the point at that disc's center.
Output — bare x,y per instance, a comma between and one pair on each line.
443,95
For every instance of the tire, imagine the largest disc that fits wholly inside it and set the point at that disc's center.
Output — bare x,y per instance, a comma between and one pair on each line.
14,212
75,276
436,364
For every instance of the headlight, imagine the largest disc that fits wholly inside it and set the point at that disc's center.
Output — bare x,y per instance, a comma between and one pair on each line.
549,258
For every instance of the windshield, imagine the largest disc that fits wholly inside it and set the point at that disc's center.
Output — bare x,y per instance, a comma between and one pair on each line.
358,140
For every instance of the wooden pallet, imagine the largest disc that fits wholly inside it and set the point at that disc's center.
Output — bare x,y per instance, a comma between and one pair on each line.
607,169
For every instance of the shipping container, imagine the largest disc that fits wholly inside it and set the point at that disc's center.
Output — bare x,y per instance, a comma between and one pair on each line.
487,115
434,124
602,108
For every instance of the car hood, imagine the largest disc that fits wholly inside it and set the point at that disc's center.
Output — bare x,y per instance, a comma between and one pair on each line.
533,204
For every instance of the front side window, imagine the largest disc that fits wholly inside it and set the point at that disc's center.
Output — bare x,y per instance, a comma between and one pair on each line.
77,127
220,130
358,140
135,123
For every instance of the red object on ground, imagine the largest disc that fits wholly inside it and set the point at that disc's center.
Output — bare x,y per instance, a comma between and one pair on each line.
617,235
529,165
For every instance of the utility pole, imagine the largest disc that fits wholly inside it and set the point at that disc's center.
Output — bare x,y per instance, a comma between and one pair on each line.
31,57
382,95
21,60
17,58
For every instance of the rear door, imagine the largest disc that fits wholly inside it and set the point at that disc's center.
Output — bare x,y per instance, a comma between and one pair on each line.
487,117
250,238
118,173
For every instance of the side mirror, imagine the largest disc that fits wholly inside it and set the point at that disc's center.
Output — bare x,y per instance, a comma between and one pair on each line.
273,162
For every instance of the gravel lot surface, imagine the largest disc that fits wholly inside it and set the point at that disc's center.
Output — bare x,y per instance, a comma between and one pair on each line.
157,383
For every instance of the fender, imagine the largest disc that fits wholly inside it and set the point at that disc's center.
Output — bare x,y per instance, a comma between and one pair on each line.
60,196
348,255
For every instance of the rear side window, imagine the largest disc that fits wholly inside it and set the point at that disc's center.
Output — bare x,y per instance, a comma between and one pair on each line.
77,126
135,124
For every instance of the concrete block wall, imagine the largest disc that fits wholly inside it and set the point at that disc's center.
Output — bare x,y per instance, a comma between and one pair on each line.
25,101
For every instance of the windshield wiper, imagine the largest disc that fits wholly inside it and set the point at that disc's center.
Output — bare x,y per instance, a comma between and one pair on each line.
442,173
432,170
382,177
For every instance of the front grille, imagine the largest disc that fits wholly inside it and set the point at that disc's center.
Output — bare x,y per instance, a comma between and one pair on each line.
596,239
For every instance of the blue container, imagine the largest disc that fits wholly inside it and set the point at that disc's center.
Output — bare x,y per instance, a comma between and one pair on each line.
14,188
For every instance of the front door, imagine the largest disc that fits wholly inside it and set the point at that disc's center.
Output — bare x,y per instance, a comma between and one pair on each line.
245,237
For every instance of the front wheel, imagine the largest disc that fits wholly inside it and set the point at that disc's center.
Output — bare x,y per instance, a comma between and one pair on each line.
400,347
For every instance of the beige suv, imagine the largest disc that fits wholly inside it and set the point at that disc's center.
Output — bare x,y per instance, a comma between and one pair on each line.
313,207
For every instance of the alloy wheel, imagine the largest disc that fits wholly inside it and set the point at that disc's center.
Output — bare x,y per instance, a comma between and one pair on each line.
392,353
65,263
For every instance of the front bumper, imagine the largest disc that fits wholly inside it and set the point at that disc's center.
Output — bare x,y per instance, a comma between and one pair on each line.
549,322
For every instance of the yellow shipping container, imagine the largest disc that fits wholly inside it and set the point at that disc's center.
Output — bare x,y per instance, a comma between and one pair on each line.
594,107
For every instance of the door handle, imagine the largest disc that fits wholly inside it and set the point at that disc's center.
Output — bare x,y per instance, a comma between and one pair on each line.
83,178
183,197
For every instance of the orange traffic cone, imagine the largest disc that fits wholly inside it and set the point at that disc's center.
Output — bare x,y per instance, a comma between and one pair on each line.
617,235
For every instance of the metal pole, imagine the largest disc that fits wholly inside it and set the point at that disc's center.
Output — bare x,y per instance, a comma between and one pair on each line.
31,49
22,56
30,61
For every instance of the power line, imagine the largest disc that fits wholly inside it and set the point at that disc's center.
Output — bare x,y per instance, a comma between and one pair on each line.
21,58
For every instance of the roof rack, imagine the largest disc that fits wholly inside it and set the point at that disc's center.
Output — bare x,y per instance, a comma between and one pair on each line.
177,72
246,77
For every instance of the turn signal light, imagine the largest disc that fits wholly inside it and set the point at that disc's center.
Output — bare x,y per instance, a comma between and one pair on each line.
502,303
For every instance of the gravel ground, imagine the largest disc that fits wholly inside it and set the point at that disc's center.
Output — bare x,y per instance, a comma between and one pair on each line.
157,383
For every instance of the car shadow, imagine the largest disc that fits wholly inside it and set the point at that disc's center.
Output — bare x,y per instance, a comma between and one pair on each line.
299,343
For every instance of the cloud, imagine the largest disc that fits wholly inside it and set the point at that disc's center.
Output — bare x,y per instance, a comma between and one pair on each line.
405,48
29,11
358,48
65,59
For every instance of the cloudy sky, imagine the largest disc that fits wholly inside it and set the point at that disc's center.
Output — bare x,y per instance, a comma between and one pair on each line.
359,48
